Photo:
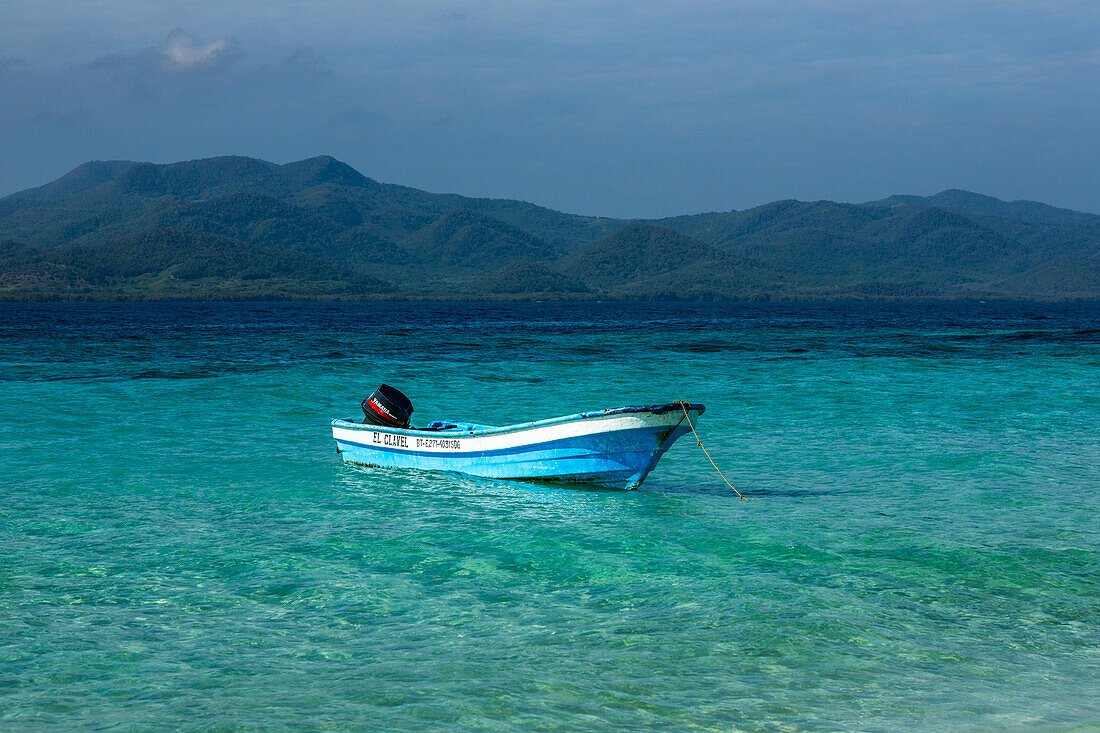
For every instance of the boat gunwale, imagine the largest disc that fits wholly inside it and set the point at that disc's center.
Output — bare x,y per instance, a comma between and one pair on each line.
658,409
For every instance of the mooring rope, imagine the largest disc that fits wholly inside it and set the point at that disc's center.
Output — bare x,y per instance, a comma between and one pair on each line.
699,442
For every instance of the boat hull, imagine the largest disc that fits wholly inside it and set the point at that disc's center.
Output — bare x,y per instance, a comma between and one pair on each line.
612,448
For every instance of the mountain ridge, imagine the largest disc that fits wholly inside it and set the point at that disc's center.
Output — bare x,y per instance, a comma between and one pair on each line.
338,233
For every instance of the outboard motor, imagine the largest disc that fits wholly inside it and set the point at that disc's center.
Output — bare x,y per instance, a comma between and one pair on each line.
387,407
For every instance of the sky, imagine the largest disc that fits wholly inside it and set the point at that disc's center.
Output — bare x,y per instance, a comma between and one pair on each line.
601,107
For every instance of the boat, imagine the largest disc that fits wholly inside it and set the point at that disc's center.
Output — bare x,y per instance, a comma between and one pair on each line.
614,448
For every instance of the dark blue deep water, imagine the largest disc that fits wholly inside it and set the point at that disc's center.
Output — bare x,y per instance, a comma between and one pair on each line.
180,546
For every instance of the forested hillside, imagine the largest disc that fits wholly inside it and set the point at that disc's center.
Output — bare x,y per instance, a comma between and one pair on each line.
235,227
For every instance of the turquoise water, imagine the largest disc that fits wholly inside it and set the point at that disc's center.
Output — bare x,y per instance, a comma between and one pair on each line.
180,545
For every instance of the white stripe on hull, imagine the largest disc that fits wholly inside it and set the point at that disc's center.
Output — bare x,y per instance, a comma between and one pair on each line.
456,443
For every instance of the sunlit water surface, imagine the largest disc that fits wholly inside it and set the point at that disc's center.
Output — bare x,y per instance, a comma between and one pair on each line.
180,546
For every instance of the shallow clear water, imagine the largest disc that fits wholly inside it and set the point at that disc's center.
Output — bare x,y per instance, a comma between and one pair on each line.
181,546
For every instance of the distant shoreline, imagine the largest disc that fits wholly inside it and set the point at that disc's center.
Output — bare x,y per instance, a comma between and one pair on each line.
553,298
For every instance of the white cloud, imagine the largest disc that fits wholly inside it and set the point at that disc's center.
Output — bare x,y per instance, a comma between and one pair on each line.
179,54
181,51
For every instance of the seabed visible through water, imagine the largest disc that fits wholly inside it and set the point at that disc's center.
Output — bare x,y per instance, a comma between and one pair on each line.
181,547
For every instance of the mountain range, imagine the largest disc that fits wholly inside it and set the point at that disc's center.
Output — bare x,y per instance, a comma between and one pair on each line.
241,228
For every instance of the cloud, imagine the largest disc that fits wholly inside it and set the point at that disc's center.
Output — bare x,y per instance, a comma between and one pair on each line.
182,51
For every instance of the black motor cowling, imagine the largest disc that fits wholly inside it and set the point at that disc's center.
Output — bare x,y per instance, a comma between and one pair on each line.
388,407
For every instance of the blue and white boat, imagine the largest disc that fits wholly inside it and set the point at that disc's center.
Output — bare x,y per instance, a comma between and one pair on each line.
614,448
